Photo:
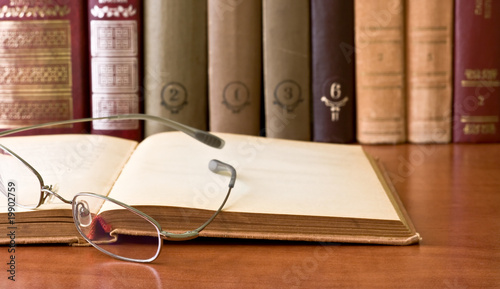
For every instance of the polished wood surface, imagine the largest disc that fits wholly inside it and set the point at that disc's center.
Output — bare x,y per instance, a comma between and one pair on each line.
451,192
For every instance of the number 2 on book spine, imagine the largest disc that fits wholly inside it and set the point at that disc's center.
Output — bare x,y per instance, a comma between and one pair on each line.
174,97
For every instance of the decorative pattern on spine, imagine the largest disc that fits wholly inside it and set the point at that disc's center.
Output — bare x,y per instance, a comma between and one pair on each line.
116,76
43,60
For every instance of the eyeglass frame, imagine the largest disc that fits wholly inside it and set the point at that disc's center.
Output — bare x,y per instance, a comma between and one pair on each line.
214,165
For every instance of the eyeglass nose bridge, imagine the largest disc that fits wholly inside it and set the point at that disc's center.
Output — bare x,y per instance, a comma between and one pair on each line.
48,193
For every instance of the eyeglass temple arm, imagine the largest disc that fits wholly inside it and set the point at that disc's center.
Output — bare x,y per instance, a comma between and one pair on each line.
215,166
200,135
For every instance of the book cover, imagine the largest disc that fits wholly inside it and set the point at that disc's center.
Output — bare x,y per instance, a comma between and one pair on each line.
333,64
380,71
43,64
429,70
235,65
175,59
476,79
115,33
286,55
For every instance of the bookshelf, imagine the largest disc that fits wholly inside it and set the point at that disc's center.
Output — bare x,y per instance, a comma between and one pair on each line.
403,89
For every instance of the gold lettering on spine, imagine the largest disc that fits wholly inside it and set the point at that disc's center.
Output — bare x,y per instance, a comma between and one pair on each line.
31,12
481,78
483,8
35,72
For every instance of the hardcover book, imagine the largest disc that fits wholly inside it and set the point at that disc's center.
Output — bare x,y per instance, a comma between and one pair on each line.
429,70
333,78
43,60
115,34
477,66
380,71
175,58
284,190
287,73
235,65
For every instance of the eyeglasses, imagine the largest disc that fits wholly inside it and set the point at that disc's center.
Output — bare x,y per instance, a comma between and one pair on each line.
106,223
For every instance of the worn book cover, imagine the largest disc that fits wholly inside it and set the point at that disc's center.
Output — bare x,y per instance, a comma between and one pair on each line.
287,72
175,59
429,34
380,71
333,64
43,64
115,39
235,66
476,79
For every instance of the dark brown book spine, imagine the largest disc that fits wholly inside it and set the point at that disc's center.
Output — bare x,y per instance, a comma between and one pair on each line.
43,64
332,24
115,34
477,65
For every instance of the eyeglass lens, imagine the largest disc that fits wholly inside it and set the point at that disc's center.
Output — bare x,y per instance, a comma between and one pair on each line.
115,229
18,181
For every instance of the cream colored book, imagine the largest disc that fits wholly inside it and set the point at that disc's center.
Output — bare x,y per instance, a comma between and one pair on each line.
429,66
285,190
380,71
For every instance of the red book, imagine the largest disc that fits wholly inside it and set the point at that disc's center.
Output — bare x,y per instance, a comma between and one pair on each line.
332,25
477,67
43,64
115,65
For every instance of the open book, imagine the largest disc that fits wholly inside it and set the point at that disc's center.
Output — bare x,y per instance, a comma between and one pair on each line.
286,190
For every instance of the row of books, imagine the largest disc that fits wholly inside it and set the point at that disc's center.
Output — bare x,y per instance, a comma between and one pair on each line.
384,71
368,71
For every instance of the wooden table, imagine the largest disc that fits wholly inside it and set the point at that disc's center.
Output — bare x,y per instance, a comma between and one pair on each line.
451,192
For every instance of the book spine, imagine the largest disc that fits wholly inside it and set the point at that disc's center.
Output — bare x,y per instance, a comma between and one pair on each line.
235,65
333,79
380,71
429,70
286,57
43,60
115,33
175,58
476,78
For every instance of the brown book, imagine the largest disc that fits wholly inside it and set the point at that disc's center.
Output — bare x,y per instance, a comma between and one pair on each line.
477,72
115,35
235,65
429,70
380,71
333,79
280,192
175,58
43,64
287,76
